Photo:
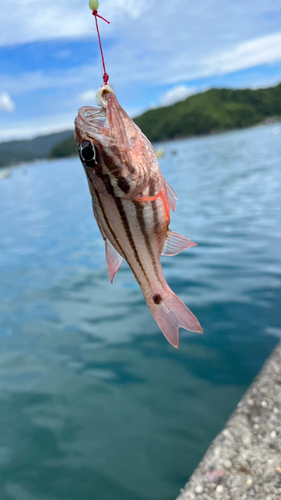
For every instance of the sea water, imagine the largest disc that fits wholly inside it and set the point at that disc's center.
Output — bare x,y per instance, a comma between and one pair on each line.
95,404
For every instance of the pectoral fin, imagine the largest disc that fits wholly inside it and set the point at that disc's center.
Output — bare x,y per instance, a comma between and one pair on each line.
176,243
172,197
113,259
168,196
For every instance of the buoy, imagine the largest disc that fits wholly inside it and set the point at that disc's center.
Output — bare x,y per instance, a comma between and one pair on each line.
93,4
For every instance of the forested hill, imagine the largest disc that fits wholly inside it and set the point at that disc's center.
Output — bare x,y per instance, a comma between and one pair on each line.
212,111
13,152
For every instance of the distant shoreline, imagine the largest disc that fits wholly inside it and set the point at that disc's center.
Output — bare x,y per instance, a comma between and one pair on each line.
265,122
215,111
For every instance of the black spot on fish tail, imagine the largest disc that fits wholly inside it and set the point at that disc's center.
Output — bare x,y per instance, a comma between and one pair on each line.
157,299
123,184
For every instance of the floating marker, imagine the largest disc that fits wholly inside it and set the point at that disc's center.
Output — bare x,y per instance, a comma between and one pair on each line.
93,4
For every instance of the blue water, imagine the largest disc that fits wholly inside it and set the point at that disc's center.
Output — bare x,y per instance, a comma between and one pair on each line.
94,402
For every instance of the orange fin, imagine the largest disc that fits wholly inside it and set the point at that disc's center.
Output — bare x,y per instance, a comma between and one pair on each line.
172,197
113,259
169,192
171,313
176,243
139,197
168,196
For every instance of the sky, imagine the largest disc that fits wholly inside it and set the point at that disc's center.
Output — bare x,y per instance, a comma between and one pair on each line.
157,52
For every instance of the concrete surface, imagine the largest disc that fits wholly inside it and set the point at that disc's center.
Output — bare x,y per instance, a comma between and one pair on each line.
244,461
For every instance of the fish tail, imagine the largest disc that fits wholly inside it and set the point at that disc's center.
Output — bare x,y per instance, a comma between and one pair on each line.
171,313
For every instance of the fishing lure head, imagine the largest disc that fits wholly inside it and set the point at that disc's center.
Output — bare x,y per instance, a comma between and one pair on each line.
116,141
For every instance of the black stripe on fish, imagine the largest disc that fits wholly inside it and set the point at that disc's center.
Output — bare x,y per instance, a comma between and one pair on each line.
110,191
139,212
123,184
157,224
122,213
106,220
113,233
115,163
106,180
110,162
154,205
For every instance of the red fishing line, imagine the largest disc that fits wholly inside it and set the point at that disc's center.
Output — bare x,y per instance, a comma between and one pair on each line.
105,75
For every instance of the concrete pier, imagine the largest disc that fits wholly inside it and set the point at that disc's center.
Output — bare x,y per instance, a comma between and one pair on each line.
244,461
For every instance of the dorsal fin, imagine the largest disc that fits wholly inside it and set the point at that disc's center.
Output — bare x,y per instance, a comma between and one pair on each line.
172,197
113,259
176,243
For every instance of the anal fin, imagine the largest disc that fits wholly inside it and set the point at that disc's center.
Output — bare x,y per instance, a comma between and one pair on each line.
176,243
113,259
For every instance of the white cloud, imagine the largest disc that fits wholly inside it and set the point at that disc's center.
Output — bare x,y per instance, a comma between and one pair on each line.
88,96
155,42
52,79
150,45
176,94
263,82
262,50
6,103
30,20
29,128
62,54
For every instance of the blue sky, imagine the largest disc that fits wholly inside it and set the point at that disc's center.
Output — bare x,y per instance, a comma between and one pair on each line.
157,52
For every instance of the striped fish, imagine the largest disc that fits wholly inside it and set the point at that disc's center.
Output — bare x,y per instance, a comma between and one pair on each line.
131,203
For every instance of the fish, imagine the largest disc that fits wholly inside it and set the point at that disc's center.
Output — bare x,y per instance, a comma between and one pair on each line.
131,203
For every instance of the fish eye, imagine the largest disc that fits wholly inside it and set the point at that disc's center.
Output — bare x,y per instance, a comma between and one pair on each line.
87,153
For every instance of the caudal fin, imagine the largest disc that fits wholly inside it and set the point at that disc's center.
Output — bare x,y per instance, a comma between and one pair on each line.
171,314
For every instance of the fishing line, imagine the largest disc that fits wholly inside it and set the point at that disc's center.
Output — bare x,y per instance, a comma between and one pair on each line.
94,4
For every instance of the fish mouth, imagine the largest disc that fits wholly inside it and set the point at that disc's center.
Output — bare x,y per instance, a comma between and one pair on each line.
90,124
95,118
91,119
103,124
95,122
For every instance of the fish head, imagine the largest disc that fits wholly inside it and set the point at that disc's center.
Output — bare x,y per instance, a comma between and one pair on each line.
118,144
